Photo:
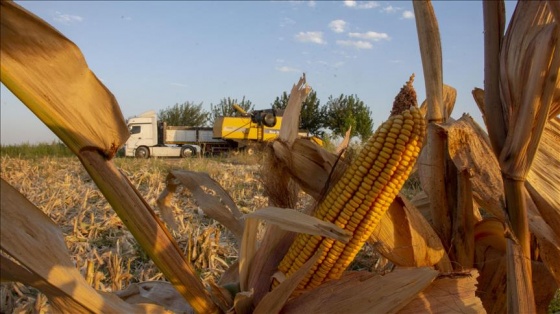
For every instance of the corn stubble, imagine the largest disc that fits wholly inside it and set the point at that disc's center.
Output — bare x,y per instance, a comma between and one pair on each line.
363,194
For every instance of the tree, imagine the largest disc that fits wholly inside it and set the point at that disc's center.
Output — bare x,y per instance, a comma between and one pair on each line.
225,108
348,111
187,114
310,118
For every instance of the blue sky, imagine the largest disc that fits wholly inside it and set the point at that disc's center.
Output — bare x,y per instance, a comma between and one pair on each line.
152,55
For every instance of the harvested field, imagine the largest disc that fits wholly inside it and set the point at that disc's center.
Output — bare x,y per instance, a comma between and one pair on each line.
100,245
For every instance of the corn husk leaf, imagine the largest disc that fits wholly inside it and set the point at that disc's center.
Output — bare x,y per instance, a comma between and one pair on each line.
220,207
272,249
491,246
292,220
223,296
290,121
273,301
359,292
164,203
247,251
449,98
405,237
469,148
453,293
529,65
308,164
161,293
543,178
23,229
242,303
49,74
345,142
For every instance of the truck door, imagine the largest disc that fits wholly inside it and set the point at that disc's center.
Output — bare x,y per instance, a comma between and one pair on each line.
140,135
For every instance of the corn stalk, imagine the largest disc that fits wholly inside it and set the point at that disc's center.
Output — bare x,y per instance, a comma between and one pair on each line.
521,79
430,49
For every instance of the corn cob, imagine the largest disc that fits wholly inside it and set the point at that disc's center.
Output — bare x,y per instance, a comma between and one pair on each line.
363,194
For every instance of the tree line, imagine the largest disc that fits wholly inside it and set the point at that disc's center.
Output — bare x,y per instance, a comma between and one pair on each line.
337,115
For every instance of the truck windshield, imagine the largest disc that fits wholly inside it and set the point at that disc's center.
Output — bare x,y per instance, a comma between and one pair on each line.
135,129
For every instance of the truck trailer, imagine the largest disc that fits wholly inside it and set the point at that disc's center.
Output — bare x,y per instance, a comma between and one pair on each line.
152,138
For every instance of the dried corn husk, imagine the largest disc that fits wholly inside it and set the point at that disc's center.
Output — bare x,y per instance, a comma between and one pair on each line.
358,292
405,237
448,293
449,98
529,66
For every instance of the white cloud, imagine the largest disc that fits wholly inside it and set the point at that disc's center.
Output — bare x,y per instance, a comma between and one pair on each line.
311,4
375,36
337,26
408,14
286,22
358,44
287,69
310,37
368,5
361,4
66,18
390,9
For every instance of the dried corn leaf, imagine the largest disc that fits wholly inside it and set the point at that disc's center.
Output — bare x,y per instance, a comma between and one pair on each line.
405,237
161,293
550,255
547,239
220,207
164,203
529,65
490,247
308,164
345,142
490,260
544,177
49,74
272,249
222,296
469,148
290,121
242,303
292,220
247,251
454,293
23,230
273,301
449,98
361,293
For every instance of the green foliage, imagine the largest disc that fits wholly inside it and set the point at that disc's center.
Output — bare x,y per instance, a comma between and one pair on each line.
187,114
225,108
554,306
26,150
348,111
310,119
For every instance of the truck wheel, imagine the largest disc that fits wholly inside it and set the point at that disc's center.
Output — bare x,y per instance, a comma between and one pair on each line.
188,152
142,152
